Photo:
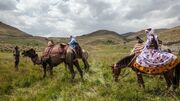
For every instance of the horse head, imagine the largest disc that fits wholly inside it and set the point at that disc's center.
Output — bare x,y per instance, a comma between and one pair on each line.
116,70
122,63
29,53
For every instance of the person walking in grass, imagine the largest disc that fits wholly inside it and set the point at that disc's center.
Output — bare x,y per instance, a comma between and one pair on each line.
16,54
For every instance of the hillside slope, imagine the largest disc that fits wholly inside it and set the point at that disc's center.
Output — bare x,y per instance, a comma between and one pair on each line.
11,37
166,35
141,33
7,30
170,35
102,37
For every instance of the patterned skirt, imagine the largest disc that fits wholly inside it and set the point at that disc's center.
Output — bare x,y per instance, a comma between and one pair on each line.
153,61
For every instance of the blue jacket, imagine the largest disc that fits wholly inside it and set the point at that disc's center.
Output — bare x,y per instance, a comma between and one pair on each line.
73,42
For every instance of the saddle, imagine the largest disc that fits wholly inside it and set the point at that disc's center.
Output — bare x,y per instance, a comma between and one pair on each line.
156,70
54,50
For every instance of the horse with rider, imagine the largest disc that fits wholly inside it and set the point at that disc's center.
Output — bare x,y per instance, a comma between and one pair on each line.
149,58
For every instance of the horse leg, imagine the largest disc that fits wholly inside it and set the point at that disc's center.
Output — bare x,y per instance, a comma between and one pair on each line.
86,64
169,78
50,66
76,63
44,67
176,77
140,80
65,66
51,70
70,67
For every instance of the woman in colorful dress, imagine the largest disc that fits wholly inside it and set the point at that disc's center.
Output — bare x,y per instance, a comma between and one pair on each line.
152,57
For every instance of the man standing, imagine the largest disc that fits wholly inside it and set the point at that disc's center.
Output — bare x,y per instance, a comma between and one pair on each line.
16,54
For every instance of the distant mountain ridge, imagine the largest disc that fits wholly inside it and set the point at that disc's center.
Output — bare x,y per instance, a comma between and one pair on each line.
10,31
140,33
171,35
103,37
102,32
166,34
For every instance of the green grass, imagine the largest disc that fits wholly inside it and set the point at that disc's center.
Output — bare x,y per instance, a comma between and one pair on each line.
27,84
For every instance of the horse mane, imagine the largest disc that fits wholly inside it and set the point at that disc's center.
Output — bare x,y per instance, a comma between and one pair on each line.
125,61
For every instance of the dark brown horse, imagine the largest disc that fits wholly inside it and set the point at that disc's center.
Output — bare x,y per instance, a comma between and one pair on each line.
53,60
169,77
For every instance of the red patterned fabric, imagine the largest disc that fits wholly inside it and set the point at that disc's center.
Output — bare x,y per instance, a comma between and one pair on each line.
56,49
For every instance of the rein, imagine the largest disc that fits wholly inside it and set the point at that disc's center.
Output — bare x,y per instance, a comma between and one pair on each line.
132,60
123,63
35,58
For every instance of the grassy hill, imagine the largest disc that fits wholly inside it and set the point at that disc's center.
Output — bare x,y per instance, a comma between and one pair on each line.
170,35
7,30
132,35
166,35
102,37
11,36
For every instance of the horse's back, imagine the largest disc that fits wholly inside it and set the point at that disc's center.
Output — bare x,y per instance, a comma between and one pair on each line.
56,49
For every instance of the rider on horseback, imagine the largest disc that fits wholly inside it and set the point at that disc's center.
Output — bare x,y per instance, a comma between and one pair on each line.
74,45
152,56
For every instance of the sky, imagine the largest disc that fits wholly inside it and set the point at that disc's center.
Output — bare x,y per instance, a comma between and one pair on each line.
62,18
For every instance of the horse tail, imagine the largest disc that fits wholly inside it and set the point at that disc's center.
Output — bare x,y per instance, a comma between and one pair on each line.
177,75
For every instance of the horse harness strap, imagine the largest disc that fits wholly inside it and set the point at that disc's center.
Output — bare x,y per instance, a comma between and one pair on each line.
49,51
133,59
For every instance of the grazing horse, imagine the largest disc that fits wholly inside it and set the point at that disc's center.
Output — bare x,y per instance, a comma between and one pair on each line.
53,60
168,75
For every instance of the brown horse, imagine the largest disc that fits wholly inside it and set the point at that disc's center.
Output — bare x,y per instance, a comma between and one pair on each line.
53,60
169,77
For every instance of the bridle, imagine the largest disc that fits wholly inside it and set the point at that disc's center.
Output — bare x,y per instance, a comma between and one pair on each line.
115,69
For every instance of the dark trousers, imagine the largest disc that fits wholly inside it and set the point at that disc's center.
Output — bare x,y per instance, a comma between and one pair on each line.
16,62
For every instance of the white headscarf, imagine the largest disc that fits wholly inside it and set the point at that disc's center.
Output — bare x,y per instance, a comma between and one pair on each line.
150,33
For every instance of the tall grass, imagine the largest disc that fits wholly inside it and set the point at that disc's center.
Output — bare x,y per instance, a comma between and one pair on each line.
27,84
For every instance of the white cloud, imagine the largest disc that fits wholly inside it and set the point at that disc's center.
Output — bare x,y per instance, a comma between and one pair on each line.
76,17
8,4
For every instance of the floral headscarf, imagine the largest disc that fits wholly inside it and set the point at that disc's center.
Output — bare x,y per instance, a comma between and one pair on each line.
150,34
